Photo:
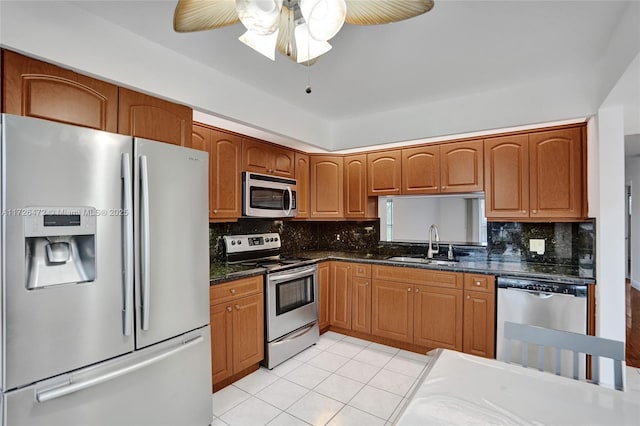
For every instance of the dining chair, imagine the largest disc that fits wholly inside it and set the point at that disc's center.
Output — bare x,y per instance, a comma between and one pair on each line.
565,340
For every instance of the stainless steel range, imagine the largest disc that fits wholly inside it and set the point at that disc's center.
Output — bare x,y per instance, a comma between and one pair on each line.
291,294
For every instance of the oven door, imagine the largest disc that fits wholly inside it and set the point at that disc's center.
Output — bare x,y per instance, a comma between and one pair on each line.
292,300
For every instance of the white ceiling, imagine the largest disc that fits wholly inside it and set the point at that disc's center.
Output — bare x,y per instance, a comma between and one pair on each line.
459,47
464,67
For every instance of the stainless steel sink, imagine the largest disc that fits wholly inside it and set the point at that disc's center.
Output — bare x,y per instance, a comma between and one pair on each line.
422,260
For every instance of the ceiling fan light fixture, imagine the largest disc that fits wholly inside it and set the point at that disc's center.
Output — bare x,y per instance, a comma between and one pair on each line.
263,44
260,16
324,17
307,47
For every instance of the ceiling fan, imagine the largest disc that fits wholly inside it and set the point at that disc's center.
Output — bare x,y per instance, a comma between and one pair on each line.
299,29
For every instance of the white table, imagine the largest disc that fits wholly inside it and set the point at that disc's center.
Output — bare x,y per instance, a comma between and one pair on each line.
457,388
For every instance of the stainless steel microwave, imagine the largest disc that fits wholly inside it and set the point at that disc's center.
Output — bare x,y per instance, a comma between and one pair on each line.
268,196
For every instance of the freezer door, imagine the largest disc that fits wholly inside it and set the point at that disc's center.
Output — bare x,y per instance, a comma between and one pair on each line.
172,240
166,384
64,272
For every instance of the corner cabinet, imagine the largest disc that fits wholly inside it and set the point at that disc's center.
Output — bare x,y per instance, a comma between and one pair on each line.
225,191
33,88
152,118
327,187
237,328
536,176
262,157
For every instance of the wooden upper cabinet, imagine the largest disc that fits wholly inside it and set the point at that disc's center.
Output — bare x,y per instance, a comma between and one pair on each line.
355,186
384,172
37,89
555,167
535,176
225,191
261,157
226,175
303,184
421,170
152,118
506,171
327,199
462,167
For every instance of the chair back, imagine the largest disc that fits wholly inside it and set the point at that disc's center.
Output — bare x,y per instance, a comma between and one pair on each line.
565,340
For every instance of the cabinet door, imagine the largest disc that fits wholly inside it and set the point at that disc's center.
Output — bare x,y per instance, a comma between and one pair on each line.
152,118
248,331
340,291
479,324
421,170
324,300
302,177
384,170
226,175
555,162
221,342
283,161
506,173
327,199
438,317
201,140
37,89
462,167
255,156
392,310
361,308
355,186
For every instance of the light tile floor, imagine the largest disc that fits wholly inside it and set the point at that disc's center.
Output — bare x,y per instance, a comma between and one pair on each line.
341,381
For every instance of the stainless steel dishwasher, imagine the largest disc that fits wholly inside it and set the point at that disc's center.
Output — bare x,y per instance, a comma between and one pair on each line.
548,304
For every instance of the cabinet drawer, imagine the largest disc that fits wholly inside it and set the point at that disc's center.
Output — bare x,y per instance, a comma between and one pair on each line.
361,270
417,276
482,283
224,292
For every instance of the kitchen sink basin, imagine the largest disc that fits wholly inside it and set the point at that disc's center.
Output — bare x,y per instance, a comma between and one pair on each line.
422,260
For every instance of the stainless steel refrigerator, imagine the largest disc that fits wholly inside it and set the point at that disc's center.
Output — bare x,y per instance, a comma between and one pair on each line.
105,264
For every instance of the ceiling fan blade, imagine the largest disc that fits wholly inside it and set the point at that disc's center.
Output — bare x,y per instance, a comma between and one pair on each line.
373,12
198,15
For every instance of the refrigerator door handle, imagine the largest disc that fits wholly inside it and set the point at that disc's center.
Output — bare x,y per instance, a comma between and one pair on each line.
66,389
128,246
144,241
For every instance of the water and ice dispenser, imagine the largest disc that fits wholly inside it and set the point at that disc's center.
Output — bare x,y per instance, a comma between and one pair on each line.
60,246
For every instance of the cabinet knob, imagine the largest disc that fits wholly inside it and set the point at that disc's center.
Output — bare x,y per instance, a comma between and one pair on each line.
477,282
237,307
444,186
228,308
215,212
233,291
468,297
409,289
417,290
524,212
534,211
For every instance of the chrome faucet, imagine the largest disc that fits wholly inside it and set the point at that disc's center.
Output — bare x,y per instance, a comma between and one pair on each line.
433,229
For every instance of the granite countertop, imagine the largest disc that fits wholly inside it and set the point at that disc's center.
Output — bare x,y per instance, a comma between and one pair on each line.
221,272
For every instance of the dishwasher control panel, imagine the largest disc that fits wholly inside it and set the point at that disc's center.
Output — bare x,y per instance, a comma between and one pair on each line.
542,286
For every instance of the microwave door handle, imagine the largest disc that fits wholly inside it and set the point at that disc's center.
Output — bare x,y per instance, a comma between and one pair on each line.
290,201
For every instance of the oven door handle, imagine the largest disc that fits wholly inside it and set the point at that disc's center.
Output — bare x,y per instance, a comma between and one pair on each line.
285,277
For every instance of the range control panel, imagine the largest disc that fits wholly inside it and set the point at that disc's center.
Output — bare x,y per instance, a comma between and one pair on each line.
253,242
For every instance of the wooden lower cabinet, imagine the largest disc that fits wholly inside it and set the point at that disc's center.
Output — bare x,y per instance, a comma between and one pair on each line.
437,317
340,292
479,321
361,299
323,299
392,310
237,327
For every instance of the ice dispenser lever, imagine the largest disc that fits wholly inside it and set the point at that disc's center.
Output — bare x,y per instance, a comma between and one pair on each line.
58,252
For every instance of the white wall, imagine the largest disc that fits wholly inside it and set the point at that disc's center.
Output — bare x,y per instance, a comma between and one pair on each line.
632,171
